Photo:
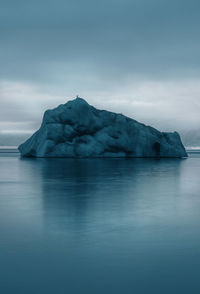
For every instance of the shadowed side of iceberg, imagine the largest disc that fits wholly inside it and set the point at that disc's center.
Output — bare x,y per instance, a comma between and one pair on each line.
77,129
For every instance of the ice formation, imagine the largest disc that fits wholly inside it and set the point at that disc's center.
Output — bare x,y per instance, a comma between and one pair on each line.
77,129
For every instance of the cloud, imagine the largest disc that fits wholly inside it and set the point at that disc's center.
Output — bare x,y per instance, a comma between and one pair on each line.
168,105
47,41
138,57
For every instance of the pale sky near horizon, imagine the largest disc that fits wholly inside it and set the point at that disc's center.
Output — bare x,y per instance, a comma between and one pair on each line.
137,57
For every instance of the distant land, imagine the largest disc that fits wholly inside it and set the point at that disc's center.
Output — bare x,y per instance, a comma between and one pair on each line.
191,138
13,139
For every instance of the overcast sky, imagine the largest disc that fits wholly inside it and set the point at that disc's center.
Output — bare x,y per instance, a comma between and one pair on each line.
138,57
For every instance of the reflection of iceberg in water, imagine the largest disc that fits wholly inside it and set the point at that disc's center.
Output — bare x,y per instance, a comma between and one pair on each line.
95,194
101,226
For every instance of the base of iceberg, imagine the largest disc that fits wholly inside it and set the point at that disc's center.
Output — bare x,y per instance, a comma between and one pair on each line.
77,129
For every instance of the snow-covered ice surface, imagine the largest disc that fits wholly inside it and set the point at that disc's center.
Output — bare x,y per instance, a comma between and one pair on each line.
77,129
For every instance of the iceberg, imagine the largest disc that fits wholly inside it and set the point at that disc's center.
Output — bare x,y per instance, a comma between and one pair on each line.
77,129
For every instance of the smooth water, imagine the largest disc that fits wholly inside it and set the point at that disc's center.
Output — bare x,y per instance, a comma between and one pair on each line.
104,226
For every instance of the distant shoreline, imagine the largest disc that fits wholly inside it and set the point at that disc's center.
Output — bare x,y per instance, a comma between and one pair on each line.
9,149
14,149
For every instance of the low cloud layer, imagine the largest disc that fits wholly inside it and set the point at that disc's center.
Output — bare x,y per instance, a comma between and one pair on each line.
166,105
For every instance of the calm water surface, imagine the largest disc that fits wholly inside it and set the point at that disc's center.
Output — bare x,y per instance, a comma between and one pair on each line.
99,226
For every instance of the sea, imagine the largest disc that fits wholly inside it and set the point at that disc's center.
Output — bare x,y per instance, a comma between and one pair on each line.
99,226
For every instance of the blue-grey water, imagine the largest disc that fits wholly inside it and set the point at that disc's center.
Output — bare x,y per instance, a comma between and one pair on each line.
99,226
